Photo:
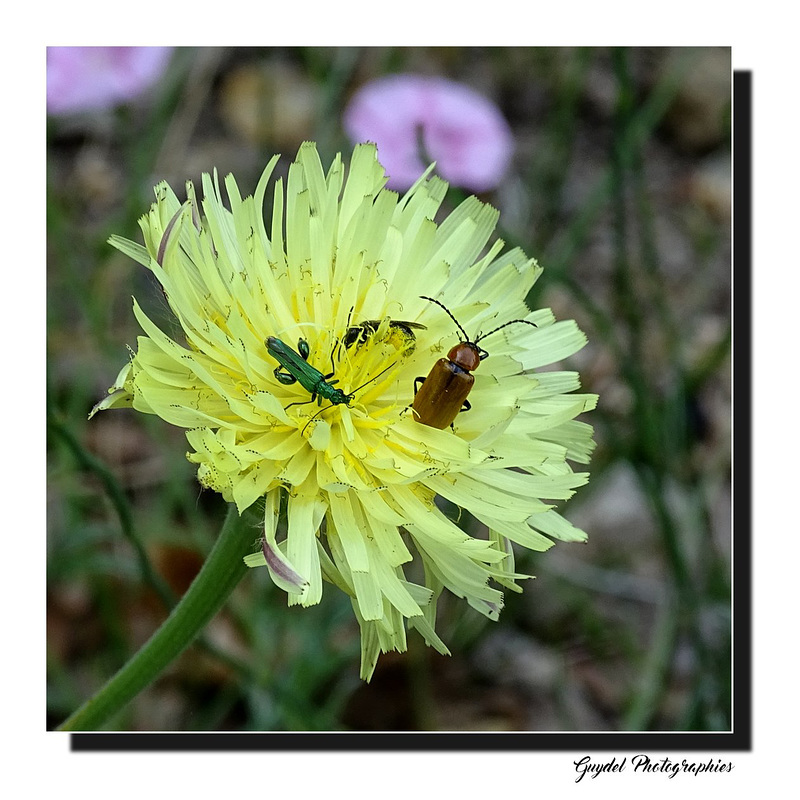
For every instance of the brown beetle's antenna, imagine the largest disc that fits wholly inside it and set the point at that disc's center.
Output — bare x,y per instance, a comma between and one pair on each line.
483,335
505,324
447,311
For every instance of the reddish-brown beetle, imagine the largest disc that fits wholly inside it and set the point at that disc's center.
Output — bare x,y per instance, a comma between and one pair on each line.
439,397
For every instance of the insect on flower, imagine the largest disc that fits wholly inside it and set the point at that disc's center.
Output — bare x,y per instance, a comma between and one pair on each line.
294,368
439,397
359,334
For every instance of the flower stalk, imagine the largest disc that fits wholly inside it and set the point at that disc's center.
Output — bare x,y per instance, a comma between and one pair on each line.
218,577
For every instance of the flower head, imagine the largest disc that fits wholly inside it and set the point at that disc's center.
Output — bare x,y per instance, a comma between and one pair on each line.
414,119
303,341
90,78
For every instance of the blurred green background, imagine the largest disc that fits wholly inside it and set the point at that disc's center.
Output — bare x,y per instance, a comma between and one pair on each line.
620,186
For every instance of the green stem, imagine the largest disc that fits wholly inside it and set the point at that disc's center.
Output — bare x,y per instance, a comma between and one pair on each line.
214,583
117,497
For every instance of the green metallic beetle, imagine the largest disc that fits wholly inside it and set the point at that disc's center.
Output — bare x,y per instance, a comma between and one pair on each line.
294,368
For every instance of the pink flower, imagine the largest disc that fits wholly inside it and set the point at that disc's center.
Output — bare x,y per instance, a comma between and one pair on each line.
415,120
92,78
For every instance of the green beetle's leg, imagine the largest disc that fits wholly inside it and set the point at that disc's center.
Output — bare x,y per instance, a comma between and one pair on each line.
303,402
286,378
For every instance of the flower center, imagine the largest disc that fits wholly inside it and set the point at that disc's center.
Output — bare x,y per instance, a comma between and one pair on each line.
361,366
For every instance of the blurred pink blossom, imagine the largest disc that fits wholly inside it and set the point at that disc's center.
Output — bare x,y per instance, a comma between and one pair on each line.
415,120
93,78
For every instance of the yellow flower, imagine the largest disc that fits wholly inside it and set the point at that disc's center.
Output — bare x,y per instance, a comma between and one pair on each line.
349,482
